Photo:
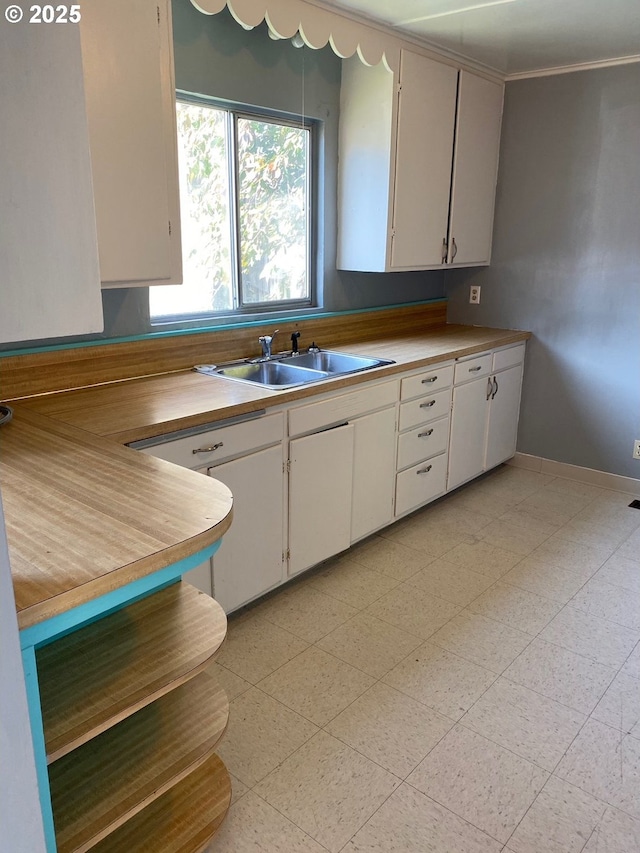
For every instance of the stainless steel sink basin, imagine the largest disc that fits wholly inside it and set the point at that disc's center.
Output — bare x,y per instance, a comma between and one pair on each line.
271,374
288,371
336,362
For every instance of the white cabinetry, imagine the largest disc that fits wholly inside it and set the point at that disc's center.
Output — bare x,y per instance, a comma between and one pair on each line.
48,250
401,140
484,419
127,50
373,472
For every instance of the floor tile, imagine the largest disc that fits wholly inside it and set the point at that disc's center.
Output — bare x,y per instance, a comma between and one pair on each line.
254,648
586,533
456,518
450,582
369,644
553,501
480,781
352,583
617,832
390,728
327,789
561,820
531,520
512,536
391,558
415,534
620,571
260,735
560,674
632,664
238,788
316,685
573,487
543,578
620,705
595,638
630,548
410,822
483,558
474,497
608,602
612,516
413,610
605,763
482,641
585,560
533,726
306,612
441,680
516,607
232,683
253,826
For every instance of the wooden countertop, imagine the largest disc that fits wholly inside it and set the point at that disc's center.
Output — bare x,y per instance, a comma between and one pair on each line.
144,408
85,515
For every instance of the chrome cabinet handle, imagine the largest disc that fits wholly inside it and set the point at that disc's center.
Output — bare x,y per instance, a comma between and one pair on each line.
425,434
475,369
454,249
427,405
489,387
495,387
208,449
429,379
425,470
445,250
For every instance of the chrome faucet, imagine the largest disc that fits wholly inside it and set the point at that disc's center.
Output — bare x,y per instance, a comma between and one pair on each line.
265,342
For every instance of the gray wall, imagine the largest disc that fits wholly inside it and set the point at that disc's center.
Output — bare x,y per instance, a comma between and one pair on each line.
566,263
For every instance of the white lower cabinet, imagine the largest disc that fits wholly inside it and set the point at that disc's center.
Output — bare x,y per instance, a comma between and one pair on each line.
250,559
373,472
320,487
484,418
421,483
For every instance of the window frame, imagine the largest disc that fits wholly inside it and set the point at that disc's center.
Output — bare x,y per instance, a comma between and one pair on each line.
234,112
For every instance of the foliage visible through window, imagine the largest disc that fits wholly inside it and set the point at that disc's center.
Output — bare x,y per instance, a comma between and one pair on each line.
244,197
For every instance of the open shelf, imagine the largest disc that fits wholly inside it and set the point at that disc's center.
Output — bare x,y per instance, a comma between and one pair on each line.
184,819
97,676
102,784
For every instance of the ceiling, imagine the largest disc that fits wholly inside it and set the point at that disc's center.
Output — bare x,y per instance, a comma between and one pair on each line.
515,37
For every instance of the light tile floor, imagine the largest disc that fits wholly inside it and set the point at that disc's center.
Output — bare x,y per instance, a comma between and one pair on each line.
468,681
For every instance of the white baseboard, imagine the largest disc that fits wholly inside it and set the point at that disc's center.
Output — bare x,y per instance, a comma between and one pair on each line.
617,482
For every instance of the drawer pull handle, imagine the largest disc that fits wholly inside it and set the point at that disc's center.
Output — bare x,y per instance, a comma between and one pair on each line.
475,369
209,449
427,405
429,379
425,434
425,470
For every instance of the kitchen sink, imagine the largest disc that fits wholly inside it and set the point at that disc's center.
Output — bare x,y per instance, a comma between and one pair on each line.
289,371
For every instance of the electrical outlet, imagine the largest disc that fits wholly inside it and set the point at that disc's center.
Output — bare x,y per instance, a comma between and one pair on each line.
636,449
474,294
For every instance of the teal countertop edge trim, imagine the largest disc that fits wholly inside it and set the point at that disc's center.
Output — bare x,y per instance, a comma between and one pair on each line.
246,324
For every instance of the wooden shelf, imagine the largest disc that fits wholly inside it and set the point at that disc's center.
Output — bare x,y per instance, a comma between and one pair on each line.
108,780
103,673
184,819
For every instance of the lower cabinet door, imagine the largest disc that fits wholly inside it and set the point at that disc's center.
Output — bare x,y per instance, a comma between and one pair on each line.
250,558
320,485
502,431
373,472
468,430
422,483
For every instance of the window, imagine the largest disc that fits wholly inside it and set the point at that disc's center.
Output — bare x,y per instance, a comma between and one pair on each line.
245,183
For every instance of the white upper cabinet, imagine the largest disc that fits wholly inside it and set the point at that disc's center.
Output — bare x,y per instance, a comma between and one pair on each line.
401,141
127,51
475,170
50,283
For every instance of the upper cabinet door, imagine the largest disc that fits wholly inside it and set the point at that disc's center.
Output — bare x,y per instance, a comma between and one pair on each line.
50,284
475,169
424,151
130,94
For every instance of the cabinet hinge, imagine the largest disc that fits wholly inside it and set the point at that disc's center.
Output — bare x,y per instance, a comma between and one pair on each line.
169,228
286,555
158,11
286,467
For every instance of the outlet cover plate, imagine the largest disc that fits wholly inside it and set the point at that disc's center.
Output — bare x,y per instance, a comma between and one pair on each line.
636,449
474,294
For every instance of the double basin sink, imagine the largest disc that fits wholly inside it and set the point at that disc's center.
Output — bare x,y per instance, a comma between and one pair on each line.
291,370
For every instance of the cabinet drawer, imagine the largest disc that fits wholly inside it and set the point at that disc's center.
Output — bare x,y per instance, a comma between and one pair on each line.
425,409
479,365
342,407
508,357
420,484
423,383
214,445
423,442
